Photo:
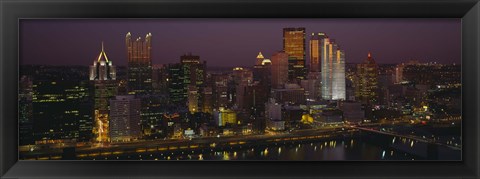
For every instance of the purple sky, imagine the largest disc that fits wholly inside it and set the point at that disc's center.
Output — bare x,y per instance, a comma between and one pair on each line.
236,42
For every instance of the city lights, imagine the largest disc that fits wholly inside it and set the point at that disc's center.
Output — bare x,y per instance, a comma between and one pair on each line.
309,100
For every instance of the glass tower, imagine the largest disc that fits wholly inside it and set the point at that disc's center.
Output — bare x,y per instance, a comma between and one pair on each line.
139,64
332,70
294,46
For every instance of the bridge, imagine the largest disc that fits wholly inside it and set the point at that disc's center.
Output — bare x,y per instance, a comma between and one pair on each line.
412,137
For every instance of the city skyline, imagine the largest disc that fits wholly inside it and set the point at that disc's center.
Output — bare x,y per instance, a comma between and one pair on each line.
237,40
274,107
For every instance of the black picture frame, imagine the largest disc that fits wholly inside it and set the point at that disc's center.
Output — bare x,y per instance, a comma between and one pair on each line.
11,11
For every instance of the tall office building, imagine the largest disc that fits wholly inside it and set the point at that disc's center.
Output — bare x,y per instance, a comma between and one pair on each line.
220,90
242,79
294,46
194,70
316,42
62,111
312,86
207,100
159,79
262,72
124,118
367,81
139,64
175,83
193,99
332,70
103,76
279,69
194,79
338,82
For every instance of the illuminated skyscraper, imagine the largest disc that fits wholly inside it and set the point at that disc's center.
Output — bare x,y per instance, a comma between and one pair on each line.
103,76
279,69
194,70
102,69
367,81
338,82
124,118
194,77
316,41
294,46
193,99
139,64
333,70
262,72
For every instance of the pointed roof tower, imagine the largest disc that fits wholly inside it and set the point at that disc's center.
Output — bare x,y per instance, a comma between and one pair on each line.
102,54
259,59
260,55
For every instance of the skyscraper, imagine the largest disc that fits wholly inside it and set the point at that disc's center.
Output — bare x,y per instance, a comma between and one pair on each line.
175,83
316,41
294,46
159,79
220,90
139,64
207,100
332,71
367,81
193,99
103,76
124,118
194,70
262,72
61,111
194,79
279,69
338,82
242,78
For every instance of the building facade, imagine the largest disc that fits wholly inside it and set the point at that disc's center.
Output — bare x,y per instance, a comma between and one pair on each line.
332,71
316,42
139,63
125,118
279,69
367,81
294,46
103,77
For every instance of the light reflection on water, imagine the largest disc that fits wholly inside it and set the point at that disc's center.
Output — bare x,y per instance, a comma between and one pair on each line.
341,149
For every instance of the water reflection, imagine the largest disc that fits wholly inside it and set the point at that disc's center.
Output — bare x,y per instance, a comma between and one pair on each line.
357,148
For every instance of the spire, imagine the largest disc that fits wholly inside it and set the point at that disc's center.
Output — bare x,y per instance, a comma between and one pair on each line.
102,53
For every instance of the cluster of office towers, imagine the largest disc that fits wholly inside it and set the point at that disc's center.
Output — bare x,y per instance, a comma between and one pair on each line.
116,110
327,63
117,113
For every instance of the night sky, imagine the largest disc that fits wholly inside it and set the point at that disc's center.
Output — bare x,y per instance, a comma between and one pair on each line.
235,42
